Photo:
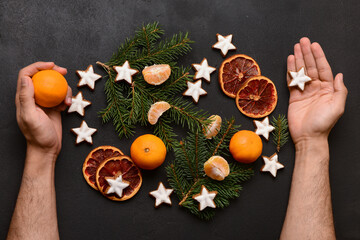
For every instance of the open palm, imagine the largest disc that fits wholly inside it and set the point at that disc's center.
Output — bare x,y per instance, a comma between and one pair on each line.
314,111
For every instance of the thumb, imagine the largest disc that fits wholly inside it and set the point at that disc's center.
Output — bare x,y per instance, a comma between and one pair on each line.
26,96
340,93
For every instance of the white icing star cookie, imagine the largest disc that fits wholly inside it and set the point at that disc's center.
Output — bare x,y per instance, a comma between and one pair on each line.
88,77
203,70
194,90
271,164
116,185
205,198
299,79
224,44
78,104
125,72
161,195
84,133
263,128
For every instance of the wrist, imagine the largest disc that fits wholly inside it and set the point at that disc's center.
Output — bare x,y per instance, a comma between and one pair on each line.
39,157
311,143
313,150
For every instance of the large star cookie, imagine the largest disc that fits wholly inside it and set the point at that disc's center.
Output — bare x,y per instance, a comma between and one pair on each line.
203,70
117,185
299,79
224,44
88,77
263,128
84,133
205,198
194,90
125,72
79,104
161,195
271,164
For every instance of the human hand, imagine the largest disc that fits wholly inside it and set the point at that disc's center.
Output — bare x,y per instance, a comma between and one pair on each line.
41,126
313,112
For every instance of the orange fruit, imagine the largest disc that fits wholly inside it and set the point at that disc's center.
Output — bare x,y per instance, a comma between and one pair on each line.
213,128
245,146
113,168
156,110
217,168
148,151
50,88
94,159
234,71
156,74
257,98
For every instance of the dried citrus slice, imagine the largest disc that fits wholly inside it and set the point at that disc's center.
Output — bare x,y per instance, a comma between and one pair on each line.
217,168
257,98
156,74
94,159
234,71
156,110
213,128
114,167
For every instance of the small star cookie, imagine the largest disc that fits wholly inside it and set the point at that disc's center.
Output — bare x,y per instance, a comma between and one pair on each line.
88,77
125,72
205,198
224,44
194,90
263,128
78,104
84,133
271,164
117,185
161,195
299,79
203,70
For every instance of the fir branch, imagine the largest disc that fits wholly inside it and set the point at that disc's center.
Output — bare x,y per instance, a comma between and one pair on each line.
280,133
191,154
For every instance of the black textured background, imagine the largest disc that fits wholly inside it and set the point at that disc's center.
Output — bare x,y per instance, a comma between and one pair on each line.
75,34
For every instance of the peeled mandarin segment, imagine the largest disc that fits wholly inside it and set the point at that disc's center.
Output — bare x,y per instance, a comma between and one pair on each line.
113,168
156,110
245,146
217,168
235,71
257,98
213,128
94,159
50,88
156,74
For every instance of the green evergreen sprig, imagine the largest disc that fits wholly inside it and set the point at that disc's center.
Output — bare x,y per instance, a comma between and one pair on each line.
186,173
128,105
280,133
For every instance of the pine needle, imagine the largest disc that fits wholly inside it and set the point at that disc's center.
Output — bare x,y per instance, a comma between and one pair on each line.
280,133
186,173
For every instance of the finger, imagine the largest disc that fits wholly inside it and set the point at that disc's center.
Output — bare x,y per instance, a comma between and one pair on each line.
340,93
322,64
290,67
309,59
67,101
26,102
299,58
61,70
32,69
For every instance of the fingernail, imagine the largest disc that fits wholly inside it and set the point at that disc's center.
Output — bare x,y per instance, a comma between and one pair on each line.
24,82
341,77
69,100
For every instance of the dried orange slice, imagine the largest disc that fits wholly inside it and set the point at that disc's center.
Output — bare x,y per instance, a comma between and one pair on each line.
217,168
156,74
113,168
94,159
213,128
234,71
156,110
257,98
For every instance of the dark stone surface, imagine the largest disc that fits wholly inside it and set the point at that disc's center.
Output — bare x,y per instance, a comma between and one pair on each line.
75,34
